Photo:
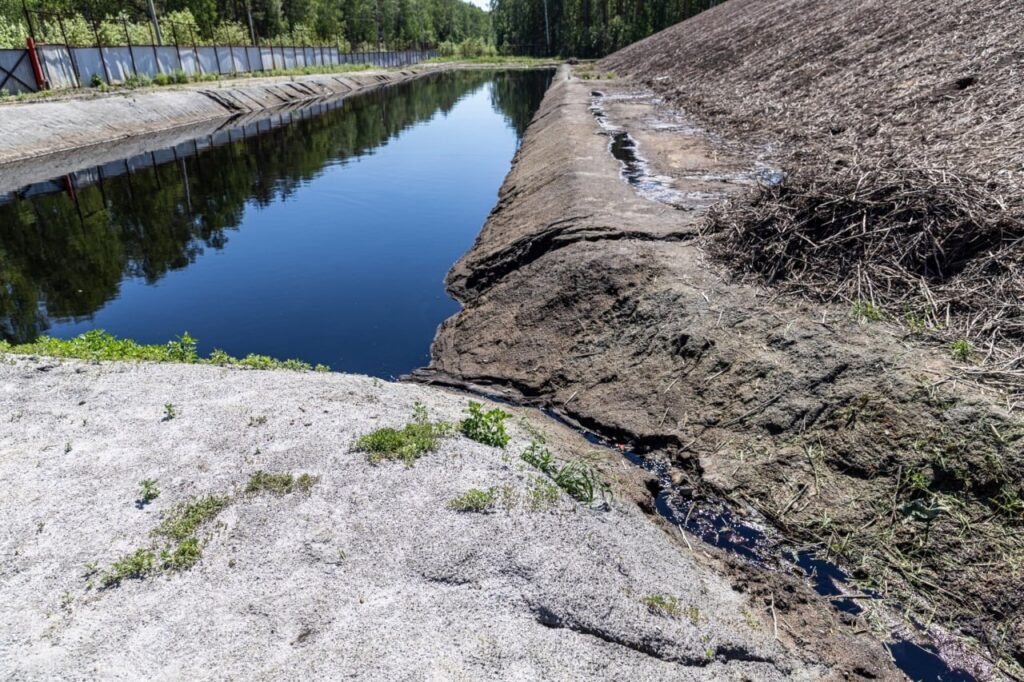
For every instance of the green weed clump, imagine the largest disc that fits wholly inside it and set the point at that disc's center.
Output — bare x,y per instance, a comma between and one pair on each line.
150,491
576,477
485,427
182,522
662,605
99,345
867,311
279,484
408,443
474,500
138,564
961,349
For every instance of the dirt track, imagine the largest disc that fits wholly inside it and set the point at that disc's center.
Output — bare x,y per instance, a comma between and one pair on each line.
583,296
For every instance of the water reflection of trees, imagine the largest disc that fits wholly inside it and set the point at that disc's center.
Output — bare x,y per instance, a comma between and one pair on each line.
63,258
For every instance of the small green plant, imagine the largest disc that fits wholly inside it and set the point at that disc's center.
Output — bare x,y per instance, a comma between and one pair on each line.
185,555
662,605
580,480
170,412
541,494
407,444
693,613
138,81
962,349
485,427
135,565
179,76
279,484
149,491
182,522
538,456
474,500
162,79
96,81
866,311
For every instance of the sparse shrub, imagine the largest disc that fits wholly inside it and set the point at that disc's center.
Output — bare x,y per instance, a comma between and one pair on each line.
279,484
99,345
162,79
185,554
662,605
542,494
409,443
580,480
179,76
962,349
182,522
485,427
538,456
149,491
866,311
135,565
140,80
474,500
170,412
96,81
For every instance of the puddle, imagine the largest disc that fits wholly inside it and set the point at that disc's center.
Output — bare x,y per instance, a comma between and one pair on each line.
718,525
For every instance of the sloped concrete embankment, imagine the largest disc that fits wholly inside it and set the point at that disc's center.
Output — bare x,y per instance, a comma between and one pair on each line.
39,129
367,574
583,297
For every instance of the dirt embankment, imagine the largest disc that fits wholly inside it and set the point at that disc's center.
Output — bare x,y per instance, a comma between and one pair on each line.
900,129
585,297
34,130
357,570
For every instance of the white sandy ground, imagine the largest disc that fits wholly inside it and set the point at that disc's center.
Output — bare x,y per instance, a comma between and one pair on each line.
369,576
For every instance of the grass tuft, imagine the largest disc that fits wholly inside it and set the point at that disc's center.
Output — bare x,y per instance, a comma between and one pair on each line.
474,500
662,605
407,444
279,484
99,345
136,565
182,522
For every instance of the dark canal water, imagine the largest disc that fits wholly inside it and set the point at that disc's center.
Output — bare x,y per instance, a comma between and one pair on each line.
326,238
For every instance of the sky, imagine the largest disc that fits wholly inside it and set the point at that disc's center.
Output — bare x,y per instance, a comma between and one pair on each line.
482,4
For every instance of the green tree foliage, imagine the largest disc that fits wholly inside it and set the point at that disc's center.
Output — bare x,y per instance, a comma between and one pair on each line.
394,24
584,28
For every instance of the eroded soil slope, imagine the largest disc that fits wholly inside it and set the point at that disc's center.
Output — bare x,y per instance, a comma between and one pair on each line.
583,296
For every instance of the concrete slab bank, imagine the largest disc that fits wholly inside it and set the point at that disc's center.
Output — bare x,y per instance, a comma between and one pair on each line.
35,129
368,574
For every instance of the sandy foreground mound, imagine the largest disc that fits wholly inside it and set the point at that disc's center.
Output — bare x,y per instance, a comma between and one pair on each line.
366,574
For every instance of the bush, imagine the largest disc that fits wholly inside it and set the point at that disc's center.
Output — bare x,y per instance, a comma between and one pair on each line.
161,79
485,427
179,76
96,80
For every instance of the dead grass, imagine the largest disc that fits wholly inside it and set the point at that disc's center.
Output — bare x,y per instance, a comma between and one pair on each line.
939,252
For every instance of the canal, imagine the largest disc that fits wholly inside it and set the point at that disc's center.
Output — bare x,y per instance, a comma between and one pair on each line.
322,234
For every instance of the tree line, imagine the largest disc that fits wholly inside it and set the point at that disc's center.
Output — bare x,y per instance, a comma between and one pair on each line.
349,24
585,28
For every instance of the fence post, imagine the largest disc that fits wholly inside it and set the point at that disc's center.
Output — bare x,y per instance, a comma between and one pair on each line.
128,39
71,55
177,46
156,55
195,51
99,46
216,55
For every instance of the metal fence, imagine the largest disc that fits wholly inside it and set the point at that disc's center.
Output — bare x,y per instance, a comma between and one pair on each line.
65,66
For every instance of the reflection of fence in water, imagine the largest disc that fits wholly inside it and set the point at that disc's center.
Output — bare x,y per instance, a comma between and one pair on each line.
96,175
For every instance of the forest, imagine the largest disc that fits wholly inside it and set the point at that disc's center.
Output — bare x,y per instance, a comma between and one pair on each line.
585,28
348,24
580,28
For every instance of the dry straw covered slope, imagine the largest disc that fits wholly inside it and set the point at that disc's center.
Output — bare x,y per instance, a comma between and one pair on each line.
900,125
